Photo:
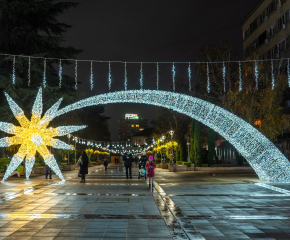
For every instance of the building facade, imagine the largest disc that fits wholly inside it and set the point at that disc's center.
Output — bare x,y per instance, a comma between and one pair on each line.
130,125
266,30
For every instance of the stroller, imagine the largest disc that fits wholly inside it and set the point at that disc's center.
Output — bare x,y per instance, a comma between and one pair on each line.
142,172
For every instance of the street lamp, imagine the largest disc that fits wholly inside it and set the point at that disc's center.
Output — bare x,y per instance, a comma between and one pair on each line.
162,140
171,132
188,144
76,139
68,149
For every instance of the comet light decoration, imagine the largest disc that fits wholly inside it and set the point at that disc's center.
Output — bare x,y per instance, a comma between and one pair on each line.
264,157
34,136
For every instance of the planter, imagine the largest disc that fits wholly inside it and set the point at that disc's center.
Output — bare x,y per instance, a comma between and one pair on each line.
164,165
223,168
69,167
171,167
157,165
180,168
40,170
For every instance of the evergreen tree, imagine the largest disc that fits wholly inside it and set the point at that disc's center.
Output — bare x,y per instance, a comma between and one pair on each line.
210,143
31,27
197,146
192,152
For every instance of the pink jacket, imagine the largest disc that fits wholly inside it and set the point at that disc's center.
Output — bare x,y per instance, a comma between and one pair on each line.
150,171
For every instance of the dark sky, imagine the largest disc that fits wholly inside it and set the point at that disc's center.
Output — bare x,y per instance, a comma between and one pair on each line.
147,30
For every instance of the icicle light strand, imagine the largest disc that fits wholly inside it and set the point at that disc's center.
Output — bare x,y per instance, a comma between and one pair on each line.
189,77
13,71
288,71
92,76
60,73
44,73
273,77
76,74
256,75
224,76
208,79
29,74
125,81
141,77
240,78
157,77
110,77
173,76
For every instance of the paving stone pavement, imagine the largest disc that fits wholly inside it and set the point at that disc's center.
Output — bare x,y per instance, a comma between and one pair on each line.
183,205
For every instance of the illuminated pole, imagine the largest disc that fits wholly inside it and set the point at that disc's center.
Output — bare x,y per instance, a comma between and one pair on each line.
75,149
171,134
50,146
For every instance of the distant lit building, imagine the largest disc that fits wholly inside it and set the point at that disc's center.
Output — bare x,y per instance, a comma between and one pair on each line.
130,125
142,138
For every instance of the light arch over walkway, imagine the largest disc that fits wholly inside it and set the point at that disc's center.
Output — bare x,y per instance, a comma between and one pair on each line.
267,161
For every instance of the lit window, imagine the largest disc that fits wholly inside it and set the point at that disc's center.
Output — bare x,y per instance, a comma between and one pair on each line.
141,129
132,125
137,125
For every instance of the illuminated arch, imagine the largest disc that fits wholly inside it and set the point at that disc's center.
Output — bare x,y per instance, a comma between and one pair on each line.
267,161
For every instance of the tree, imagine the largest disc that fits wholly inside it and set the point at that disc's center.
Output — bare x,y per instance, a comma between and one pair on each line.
32,28
197,146
192,152
182,150
177,153
256,104
211,146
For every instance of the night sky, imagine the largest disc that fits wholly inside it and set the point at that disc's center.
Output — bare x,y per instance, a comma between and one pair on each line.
144,31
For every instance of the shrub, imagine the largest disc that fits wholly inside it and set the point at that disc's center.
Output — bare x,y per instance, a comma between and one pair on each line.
3,162
179,162
188,164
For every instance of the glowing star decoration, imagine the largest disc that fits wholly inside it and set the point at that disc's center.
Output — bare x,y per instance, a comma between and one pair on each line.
34,136
264,157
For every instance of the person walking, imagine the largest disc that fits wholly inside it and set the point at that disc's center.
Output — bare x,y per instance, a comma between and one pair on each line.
48,171
84,162
106,164
150,166
142,161
127,158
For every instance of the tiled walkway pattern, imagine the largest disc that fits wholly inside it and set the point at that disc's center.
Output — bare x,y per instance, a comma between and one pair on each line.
183,206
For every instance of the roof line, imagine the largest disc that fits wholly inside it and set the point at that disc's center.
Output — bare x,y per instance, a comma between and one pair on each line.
253,10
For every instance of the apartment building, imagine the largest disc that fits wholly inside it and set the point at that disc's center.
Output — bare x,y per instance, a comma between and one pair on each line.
266,30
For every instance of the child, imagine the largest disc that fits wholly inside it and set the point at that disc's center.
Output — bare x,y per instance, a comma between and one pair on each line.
142,171
150,166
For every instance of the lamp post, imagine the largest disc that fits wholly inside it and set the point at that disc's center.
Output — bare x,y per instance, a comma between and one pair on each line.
76,139
50,146
171,132
162,138
188,144
68,149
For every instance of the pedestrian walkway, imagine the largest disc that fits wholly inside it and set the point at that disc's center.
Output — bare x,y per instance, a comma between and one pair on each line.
183,205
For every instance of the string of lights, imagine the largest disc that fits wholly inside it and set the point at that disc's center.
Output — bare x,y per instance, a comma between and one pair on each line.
272,75
240,78
173,76
256,75
125,81
189,77
44,73
60,73
110,77
29,69
157,77
92,76
76,74
208,79
154,62
13,71
141,77
224,76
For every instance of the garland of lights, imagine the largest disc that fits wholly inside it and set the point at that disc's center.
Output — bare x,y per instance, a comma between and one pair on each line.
264,157
110,77
34,136
288,72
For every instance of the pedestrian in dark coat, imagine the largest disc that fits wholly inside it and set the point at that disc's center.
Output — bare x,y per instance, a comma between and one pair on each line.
84,164
127,158
106,164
